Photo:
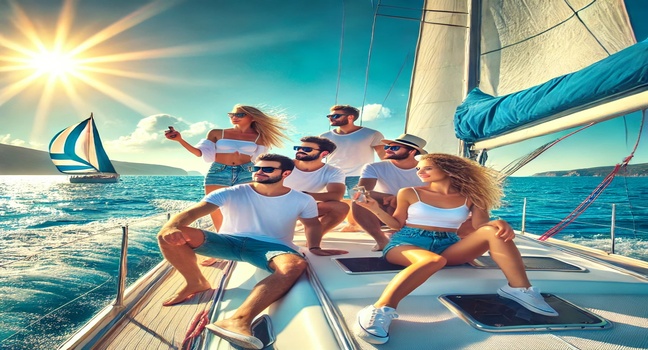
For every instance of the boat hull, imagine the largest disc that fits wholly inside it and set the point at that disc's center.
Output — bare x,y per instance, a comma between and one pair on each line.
95,178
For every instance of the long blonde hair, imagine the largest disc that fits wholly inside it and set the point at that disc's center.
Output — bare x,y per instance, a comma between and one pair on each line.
271,129
480,184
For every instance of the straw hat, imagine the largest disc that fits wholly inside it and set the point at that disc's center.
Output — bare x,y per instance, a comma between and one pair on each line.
409,140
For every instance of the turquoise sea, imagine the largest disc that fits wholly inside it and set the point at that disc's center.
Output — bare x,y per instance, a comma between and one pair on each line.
60,242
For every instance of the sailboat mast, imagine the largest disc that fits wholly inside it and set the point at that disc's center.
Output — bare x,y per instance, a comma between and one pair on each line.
473,45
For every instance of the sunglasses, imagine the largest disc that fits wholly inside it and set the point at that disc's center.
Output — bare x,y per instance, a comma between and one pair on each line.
392,148
336,116
305,149
265,169
237,115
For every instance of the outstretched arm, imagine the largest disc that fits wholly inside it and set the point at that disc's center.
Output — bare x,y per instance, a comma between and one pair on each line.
395,221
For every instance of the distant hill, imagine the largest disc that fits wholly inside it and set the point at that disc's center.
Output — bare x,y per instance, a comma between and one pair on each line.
632,170
26,161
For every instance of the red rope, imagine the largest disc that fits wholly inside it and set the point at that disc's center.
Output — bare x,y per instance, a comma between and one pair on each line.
195,328
596,193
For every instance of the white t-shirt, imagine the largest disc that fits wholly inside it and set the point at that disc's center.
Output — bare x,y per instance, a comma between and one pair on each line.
353,150
314,181
390,177
247,213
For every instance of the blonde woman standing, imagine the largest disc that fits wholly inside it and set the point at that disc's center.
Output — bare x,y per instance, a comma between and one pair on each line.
232,151
428,218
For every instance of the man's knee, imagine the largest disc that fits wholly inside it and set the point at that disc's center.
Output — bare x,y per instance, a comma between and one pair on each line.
289,264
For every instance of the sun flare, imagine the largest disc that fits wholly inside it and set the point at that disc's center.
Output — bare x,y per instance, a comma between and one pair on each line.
56,64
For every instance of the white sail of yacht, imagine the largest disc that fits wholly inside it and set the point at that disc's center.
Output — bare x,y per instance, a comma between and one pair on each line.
77,150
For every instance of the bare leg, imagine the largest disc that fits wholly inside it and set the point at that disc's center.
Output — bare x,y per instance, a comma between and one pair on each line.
183,258
505,254
371,224
352,225
420,265
287,269
331,213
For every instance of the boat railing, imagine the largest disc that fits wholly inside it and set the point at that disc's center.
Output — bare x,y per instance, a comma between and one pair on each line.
603,226
87,292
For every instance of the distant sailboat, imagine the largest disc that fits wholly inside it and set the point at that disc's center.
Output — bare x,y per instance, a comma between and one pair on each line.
77,150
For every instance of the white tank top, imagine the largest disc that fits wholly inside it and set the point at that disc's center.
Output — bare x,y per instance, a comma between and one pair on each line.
423,214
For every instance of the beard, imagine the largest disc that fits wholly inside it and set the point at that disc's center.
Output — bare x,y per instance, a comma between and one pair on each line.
397,156
340,122
269,180
305,157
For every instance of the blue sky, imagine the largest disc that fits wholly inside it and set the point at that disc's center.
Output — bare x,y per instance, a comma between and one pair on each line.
150,64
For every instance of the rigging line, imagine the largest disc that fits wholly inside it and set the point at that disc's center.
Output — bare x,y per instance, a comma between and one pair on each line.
625,178
396,79
584,25
339,72
595,194
371,42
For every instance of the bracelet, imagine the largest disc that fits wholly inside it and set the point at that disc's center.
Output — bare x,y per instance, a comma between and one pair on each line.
314,248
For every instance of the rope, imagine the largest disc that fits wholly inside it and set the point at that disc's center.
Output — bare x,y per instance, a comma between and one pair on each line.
371,42
517,164
596,193
195,329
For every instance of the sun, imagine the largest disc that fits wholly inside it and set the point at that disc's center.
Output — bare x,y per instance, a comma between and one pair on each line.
55,64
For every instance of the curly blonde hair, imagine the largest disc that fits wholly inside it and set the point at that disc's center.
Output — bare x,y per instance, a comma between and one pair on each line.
482,185
271,129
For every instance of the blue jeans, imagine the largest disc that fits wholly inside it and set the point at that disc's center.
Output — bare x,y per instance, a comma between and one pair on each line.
350,182
250,250
433,241
228,175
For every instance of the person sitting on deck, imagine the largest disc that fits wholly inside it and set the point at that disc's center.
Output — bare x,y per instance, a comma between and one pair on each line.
259,219
323,182
428,218
383,180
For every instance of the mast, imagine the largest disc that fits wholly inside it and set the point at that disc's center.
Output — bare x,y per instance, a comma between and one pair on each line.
473,44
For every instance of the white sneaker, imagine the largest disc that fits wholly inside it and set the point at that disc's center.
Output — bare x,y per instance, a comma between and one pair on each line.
530,298
372,325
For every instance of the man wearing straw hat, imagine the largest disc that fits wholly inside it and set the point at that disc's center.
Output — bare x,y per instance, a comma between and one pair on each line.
383,180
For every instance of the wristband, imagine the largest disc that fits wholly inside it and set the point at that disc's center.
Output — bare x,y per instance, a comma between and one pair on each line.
314,248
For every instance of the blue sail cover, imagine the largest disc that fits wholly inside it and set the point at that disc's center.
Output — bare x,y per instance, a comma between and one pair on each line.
482,116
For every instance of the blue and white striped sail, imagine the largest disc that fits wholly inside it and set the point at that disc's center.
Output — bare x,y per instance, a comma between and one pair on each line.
78,150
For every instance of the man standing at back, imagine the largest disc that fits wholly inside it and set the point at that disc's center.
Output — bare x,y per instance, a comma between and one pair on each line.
355,147
323,182
384,179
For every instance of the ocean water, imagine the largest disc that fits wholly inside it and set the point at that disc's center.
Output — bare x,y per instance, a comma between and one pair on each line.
60,242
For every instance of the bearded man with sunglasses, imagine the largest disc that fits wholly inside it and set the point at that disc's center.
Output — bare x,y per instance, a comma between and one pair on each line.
356,146
258,228
384,179
323,182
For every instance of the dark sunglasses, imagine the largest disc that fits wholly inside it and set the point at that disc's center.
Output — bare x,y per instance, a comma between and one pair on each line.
265,169
305,149
336,116
392,148
237,115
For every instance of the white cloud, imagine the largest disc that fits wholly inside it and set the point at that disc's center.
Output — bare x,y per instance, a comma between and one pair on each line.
149,133
6,139
375,111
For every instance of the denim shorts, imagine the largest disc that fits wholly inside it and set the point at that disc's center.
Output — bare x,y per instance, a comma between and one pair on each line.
350,182
250,250
433,241
228,175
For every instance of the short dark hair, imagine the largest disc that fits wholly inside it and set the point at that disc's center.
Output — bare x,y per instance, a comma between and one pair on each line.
285,163
348,109
323,143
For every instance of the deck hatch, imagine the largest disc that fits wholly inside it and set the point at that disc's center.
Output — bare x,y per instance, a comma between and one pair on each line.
368,264
492,313
531,263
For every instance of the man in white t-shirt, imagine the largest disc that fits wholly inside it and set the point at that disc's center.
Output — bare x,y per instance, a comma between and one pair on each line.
356,146
384,179
324,182
258,228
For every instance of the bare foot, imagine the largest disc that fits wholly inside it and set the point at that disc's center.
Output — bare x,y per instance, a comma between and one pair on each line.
210,261
350,228
185,294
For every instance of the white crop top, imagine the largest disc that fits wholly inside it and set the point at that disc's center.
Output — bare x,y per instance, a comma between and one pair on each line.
423,214
209,149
